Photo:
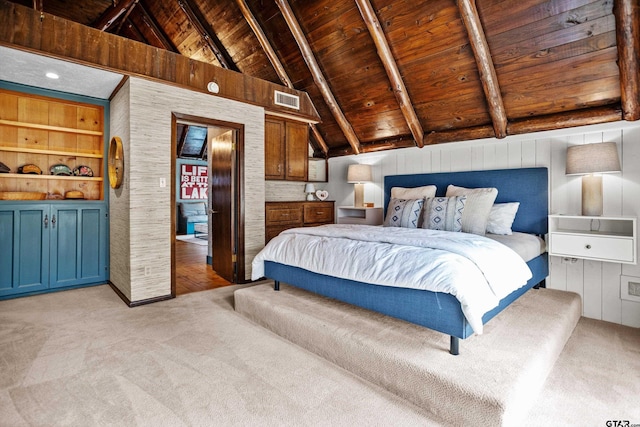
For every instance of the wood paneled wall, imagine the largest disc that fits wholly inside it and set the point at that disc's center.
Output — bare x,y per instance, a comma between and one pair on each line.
141,209
598,283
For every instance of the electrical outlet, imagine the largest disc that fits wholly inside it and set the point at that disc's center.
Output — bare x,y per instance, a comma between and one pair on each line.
634,289
630,288
147,271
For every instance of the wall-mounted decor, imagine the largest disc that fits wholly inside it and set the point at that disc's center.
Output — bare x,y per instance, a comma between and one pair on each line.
194,182
115,162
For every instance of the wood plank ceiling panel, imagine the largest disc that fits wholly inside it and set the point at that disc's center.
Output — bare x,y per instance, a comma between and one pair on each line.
85,12
149,28
431,47
532,59
347,54
236,37
175,23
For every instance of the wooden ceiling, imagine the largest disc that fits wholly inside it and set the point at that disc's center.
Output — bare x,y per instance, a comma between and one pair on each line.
386,74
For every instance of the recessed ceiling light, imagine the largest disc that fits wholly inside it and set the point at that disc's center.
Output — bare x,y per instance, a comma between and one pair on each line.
52,75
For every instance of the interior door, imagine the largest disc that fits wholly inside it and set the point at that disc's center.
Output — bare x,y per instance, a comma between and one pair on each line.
221,142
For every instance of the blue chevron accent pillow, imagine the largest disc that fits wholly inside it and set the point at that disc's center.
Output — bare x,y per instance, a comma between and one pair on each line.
444,213
404,213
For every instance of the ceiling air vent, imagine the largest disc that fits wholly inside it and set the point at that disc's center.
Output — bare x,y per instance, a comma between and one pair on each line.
287,100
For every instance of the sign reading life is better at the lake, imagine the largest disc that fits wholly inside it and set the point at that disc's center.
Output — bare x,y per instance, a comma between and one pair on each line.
193,182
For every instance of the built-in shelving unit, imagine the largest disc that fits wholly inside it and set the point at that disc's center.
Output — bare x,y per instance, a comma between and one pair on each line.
45,132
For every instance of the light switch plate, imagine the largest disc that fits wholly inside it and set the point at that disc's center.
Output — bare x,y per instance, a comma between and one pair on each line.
163,182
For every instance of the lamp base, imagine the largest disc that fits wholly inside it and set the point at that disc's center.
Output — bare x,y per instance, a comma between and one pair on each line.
358,195
592,195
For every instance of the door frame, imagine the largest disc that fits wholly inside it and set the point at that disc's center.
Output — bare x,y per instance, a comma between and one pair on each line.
239,196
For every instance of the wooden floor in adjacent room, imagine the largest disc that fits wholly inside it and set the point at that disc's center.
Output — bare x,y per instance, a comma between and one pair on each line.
193,274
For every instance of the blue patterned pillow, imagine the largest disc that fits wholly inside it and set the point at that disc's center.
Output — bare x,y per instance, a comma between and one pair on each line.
444,213
404,213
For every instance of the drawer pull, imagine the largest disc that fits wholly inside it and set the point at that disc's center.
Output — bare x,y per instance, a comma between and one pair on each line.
587,246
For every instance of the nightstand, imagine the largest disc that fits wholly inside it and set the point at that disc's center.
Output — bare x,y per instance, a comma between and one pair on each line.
354,215
599,238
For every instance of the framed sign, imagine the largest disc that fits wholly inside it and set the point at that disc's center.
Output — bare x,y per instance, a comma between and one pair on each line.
194,182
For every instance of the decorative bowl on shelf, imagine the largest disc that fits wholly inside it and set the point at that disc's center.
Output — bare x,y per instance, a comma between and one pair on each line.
22,195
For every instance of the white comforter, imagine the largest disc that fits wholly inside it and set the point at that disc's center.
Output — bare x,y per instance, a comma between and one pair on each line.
478,271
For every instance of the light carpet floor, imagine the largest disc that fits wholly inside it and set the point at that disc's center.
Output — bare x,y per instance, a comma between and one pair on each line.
83,358
492,382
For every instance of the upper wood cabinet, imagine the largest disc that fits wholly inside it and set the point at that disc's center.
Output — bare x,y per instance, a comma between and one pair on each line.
46,132
286,149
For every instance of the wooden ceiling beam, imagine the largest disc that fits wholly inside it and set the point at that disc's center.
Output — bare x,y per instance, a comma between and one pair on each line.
276,63
153,26
588,116
111,15
199,23
317,74
627,16
126,16
391,67
488,76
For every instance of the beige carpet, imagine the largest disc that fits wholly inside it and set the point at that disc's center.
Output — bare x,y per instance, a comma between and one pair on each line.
82,358
492,382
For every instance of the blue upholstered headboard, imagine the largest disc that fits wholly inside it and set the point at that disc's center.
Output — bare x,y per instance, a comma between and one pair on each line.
529,186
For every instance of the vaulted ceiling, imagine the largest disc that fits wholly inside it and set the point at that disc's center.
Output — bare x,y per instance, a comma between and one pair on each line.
396,73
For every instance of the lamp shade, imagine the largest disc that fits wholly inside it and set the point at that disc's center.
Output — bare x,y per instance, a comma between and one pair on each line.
359,173
309,188
592,158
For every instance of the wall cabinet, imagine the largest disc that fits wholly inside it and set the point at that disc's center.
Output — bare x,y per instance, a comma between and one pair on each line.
286,150
599,238
280,216
49,131
51,245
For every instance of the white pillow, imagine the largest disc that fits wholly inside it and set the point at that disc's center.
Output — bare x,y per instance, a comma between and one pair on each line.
501,218
413,193
477,208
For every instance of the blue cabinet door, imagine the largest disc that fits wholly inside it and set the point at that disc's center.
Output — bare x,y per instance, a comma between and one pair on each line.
78,245
24,248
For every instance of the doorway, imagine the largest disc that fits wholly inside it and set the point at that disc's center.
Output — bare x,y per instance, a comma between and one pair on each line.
221,260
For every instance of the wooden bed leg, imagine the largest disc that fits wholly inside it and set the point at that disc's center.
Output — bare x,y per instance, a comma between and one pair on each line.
276,285
455,346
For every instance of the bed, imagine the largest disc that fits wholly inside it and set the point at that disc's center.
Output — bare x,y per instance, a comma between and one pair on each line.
437,310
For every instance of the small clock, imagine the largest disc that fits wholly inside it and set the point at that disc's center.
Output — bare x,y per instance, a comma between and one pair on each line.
115,162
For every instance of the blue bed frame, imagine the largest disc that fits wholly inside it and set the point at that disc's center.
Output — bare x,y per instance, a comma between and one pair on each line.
434,310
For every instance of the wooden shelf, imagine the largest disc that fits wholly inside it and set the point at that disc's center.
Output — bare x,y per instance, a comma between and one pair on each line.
54,152
61,177
49,127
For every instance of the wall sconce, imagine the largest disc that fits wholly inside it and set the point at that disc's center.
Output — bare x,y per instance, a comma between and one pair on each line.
359,174
591,160
310,189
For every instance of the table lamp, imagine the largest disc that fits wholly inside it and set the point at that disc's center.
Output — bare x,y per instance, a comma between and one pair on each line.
310,189
591,160
358,174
